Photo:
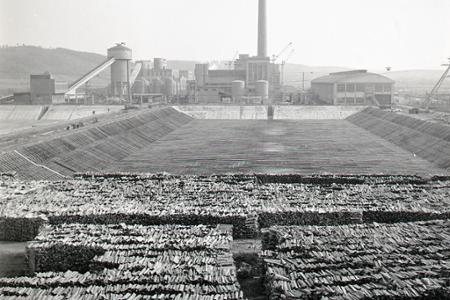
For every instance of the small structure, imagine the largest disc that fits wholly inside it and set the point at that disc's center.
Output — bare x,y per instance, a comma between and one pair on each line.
42,88
357,87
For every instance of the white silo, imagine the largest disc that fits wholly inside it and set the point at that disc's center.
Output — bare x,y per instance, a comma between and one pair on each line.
262,90
237,90
120,69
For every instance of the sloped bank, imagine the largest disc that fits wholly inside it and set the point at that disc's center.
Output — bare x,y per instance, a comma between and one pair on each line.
430,141
93,148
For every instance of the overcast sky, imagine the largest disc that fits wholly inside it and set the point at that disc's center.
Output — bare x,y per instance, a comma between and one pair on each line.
404,34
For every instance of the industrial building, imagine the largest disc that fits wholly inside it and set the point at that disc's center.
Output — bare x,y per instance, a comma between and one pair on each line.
357,87
216,86
142,81
44,89
254,79
157,80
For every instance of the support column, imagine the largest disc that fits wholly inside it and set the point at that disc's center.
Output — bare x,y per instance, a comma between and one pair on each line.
128,82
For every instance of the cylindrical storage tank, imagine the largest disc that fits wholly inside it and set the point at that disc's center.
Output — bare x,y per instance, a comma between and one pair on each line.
262,90
237,90
119,69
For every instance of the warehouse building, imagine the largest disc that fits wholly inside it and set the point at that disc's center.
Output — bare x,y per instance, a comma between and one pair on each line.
357,87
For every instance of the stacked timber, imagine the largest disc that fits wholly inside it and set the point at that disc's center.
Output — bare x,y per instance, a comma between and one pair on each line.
128,262
237,200
396,261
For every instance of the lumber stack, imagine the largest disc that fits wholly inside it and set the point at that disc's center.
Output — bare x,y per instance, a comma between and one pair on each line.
210,200
130,262
370,261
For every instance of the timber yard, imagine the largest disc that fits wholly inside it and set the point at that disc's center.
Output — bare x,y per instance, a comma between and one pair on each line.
222,184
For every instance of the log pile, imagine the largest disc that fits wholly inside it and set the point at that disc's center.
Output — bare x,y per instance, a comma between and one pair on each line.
238,200
128,262
371,261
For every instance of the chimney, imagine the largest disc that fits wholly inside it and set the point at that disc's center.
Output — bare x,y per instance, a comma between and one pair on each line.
262,29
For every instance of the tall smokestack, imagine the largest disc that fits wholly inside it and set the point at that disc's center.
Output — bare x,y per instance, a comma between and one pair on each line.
262,29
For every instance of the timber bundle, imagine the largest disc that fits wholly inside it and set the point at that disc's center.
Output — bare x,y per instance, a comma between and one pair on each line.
79,261
370,261
246,202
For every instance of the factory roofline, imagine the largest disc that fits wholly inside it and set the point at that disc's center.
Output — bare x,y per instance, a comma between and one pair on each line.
354,76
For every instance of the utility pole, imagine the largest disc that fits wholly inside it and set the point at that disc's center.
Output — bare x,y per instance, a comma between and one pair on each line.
128,82
303,79
303,82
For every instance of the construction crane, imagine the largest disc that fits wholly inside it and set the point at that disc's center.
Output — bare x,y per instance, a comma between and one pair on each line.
288,57
276,57
231,62
435,90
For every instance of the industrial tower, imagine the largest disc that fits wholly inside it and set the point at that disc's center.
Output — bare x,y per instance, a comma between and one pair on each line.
262,29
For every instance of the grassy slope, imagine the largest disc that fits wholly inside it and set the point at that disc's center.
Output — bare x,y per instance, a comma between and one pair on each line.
17,63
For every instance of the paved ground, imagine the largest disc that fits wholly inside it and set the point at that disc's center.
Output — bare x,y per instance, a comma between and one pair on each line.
10,126
12,259
306,147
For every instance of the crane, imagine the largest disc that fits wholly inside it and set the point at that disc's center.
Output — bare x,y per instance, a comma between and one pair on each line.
288,57
436,88
276,57
231,62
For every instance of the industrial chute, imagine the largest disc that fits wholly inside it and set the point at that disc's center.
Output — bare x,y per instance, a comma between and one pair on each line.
88,76
434,92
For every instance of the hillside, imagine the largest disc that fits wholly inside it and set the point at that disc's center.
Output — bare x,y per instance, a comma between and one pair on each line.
419,81
17,63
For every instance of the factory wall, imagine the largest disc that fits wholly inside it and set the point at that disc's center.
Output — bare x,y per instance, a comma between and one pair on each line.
353,93
324,92
363,93
22,98
208,95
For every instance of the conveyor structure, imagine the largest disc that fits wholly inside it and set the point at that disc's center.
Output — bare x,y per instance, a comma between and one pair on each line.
88,76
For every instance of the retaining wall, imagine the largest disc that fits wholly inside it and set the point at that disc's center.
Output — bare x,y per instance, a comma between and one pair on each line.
261,112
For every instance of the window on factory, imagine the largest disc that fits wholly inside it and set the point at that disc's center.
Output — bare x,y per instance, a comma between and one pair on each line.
387,88
341,88
360,87
350,87
379,88
341,100
359,100
350,100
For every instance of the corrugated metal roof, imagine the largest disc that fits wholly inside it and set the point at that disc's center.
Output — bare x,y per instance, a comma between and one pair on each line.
356,76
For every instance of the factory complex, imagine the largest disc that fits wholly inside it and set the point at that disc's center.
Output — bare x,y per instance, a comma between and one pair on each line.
248,80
